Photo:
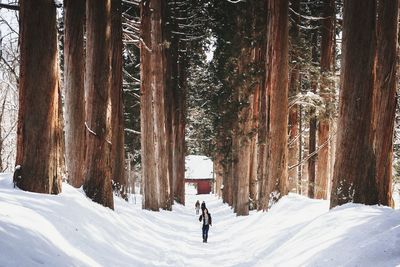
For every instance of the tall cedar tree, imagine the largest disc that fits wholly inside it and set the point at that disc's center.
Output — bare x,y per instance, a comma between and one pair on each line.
117,119
354,171
242,133
155,147
176,96
313,123
277,90
326,88
293,91
249,28
385,97
39,134
98,46
74,18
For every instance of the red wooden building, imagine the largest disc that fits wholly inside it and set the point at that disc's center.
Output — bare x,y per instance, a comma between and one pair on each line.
200,173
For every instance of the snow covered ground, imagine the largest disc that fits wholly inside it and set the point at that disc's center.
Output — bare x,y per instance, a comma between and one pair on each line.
70,230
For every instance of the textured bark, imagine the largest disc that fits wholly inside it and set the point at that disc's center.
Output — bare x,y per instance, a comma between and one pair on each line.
293,90
39,134
327,34
313,126
235,163
354,171
117,116
176,98
262,147
179,128
277,87
242,138
228,182
263,113
155,141
218,171
74,18
385,97
253,186
300,156
251,32
97,183
150,181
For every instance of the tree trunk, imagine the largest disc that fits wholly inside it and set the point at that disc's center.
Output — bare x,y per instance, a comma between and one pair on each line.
326,91
155,146
218,174
313,125
39,144
116,92
293,90
179,127
277,87
385,97
300,168
262,147
253,186
97,85
354,171
243,124
74,67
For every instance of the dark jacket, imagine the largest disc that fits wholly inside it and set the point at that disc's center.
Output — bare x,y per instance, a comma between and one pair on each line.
209,219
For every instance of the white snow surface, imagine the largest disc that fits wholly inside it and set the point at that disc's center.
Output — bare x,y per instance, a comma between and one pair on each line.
70,230
198,167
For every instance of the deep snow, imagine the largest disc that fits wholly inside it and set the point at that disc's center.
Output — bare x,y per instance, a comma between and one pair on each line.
70,230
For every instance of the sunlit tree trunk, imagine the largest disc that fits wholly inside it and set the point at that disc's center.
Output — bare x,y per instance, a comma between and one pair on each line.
97,85
39,134
74,68
354,171
277,87
155,141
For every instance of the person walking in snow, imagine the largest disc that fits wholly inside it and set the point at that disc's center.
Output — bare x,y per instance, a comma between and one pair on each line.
197,207
207,222
203,206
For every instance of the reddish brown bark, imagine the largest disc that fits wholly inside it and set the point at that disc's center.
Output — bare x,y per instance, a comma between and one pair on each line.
74,18
117,117
253,186
354,171
39,134
155,141
262,146
277,88
97,85
218,172
327,34
313,126
385,97
293,90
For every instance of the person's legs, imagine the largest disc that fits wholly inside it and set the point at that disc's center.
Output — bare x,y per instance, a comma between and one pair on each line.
204,233
207,227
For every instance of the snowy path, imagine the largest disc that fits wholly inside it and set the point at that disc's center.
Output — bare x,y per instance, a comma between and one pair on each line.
70,230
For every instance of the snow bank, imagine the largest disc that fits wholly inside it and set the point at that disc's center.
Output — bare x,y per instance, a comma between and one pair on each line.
70,230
